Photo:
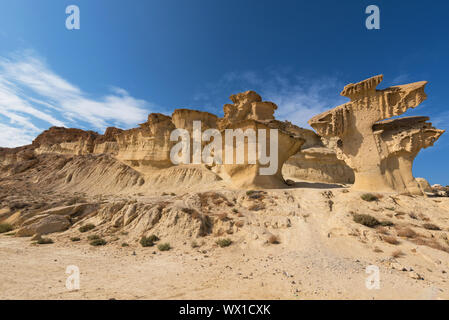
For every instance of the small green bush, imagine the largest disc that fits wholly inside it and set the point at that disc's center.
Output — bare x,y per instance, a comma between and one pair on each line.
366,220
5,227
386,223
224,242
124,244
98,242
75,239
44,241
147,241
86,227
153,238
164,246
369,197
93,237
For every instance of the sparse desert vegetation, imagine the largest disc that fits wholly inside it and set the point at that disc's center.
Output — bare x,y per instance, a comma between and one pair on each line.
86,227
369,197
5,227
164,246
44,241
224,242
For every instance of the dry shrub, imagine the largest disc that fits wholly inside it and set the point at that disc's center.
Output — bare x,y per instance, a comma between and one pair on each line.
192,212
273,239
382,230
431,226
413,216
366,220
397,254
255,195
162,205
239,224
257,207
369,197
407,233
391,240
214,197
223,216
431,243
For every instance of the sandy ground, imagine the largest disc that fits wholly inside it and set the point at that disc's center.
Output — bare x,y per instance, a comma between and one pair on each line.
320,268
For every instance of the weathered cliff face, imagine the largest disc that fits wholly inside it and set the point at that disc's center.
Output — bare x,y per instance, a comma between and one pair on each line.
381,154
147,147
318,164
72,141
183,119
65,141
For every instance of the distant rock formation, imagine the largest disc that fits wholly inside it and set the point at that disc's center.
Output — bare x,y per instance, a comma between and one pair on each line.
381,153
147,148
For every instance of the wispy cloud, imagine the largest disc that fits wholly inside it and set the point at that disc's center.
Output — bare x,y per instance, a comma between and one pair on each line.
30,91
298,98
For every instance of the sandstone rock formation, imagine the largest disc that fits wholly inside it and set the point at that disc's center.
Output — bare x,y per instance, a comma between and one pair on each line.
147,148
381,153
248,111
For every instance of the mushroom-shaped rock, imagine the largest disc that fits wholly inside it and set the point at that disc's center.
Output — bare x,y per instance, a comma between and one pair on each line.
381,153
252,116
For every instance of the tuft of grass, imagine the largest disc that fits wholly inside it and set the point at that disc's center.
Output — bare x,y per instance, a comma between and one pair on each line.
366,220
407,233
148,241
75,239
224,242
397,254
369,197
98,242
164,246
391,240
87,227
274,239
431,226
5,227
124,244
44,241
93,237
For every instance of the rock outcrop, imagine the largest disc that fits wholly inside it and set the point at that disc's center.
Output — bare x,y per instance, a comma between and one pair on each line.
381,153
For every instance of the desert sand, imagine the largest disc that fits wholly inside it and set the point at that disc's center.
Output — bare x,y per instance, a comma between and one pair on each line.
322,254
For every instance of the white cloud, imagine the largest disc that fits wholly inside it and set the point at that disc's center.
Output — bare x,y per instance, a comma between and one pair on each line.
30,91
298,98
14,136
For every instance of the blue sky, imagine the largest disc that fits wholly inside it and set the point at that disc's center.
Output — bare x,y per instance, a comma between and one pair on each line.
130,58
